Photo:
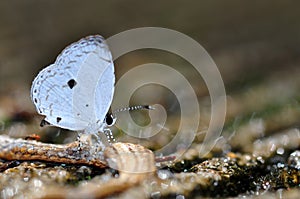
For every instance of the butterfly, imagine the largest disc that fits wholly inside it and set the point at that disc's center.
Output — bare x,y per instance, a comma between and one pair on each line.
76,91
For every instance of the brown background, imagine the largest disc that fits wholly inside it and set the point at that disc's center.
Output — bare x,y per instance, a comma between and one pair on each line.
247,40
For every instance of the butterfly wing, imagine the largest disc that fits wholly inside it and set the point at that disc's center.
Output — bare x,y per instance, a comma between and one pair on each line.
104,92
69,91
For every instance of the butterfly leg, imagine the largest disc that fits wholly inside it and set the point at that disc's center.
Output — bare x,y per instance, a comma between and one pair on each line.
80,145
109,135
84,140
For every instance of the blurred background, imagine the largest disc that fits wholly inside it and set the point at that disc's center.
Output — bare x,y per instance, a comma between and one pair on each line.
243,38
254,44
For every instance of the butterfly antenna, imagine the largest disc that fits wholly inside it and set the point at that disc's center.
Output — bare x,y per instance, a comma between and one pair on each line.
111,118
133,108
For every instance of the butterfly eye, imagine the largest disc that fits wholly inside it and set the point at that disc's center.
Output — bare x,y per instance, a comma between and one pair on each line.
110,120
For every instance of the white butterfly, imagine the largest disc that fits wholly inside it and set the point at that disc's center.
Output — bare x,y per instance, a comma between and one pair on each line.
77,90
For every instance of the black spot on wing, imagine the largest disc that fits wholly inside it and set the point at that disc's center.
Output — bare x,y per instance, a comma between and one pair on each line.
43,123
58,119
72,83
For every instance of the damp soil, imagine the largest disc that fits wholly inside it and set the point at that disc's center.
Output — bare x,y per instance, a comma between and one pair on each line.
257,155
